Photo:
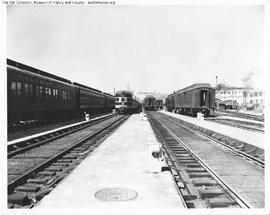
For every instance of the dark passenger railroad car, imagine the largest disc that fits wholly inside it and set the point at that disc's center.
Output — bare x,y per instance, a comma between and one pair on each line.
159,104
149,103
196,98
37,95
91,100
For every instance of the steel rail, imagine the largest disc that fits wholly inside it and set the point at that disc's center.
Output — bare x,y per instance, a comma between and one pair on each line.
174,180
241,202
66,131
239,152
31,172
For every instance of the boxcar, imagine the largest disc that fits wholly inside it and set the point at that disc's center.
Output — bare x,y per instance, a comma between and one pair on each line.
36,95
196,98
149,103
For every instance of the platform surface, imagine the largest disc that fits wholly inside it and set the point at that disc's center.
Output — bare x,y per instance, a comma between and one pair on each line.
123,160
251,137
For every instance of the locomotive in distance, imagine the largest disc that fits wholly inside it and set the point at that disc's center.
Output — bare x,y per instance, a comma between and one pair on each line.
199,97
37,95
126,103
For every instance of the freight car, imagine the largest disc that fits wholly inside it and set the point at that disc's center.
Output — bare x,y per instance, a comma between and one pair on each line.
35,95
196,98
159,104
149,103
125,102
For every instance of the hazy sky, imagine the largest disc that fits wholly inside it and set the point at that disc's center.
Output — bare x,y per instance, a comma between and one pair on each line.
160,48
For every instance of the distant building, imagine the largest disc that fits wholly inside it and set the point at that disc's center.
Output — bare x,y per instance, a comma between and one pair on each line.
236,94
239,96
141,95
256,98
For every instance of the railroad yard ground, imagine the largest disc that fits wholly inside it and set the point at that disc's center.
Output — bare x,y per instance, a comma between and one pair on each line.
251,137
122,161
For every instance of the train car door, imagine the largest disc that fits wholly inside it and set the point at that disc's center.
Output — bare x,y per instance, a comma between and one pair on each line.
203,98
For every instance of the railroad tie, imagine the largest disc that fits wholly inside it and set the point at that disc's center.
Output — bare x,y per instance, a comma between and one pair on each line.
46,173
54,168
18,198
198,174
220,203
195,170
189,193
193,165
65,160
203,182
38,180
28,188
210,193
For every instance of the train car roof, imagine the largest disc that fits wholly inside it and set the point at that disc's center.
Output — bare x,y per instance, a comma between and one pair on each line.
108,94
149,97
36,71
123,93
192,87
83,86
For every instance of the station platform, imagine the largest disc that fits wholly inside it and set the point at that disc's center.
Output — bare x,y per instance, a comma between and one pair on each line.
250,137
24,135
122,161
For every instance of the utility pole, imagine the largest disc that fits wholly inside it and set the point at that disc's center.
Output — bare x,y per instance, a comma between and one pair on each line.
245,80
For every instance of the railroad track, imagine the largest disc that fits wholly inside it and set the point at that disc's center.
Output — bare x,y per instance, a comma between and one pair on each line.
198,184
243,149
241,115
35,170
239,124
19,147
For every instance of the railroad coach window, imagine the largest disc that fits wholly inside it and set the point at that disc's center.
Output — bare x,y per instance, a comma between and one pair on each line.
13,88
46,91
41,91
37,91
49,92
56,93
31,93
18,88
64,95
26,89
